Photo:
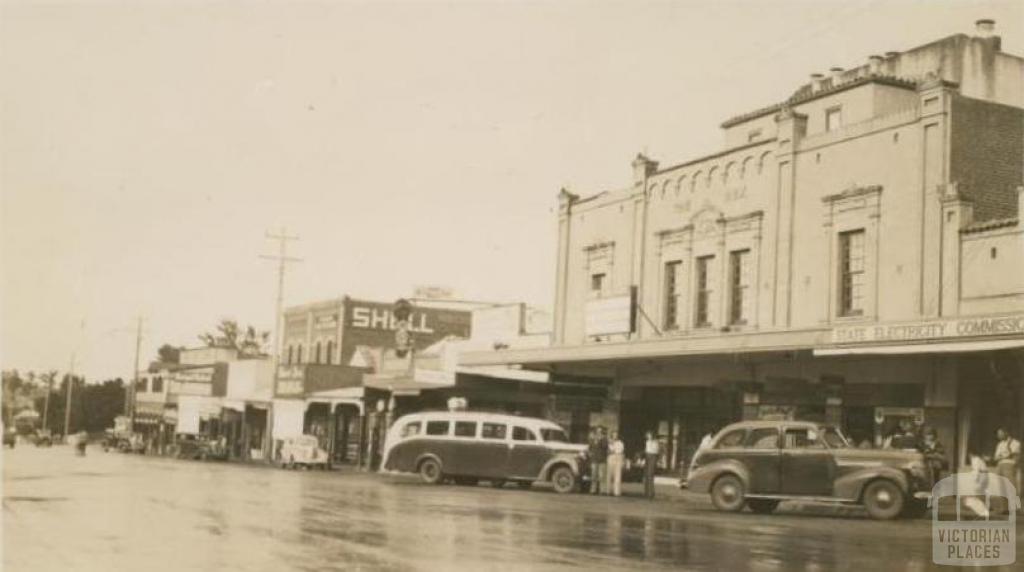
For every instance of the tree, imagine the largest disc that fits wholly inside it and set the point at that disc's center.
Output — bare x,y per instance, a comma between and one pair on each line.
168,354
249,342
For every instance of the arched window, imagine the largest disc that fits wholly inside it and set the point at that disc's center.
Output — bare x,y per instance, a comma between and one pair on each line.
679,184
330,351
317,358
693,181
745,170
291,351
727,172
711,175
761,163
298,355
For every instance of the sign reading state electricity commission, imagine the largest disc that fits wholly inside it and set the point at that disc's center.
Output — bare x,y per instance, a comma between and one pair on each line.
931,330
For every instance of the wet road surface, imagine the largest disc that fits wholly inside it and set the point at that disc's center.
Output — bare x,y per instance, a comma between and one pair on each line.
111,511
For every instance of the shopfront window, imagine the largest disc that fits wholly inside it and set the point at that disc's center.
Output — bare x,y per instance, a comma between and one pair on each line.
158,384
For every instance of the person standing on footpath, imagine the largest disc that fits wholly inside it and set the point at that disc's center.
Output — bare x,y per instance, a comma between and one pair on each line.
598,460
652,451
616,457
1006,459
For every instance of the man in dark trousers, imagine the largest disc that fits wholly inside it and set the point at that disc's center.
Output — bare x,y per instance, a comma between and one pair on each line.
598,454
652,450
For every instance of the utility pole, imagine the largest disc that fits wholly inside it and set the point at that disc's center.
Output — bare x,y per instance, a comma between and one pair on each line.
129,405
67,403
46,400
282,237
282,259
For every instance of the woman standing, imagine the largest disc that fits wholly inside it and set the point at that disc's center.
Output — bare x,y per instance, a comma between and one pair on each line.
616,457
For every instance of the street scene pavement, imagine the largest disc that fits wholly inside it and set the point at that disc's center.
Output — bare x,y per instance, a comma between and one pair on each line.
113,511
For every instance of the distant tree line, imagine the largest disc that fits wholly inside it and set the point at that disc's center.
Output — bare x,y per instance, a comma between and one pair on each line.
93,405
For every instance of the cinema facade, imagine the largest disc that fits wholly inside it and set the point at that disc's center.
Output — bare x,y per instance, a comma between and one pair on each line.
855,254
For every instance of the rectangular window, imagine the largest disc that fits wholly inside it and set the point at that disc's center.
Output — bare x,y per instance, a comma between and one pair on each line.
597,285
753,135
437,428
140,384
704,291
465,428
833,118
523,434
494,431
158,384
672,295
851,273
739,283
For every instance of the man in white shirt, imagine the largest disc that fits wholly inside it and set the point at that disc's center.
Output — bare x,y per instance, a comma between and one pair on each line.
652,450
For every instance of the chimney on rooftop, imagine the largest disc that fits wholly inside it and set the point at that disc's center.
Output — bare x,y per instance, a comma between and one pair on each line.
816,79
836,73
875,63
985,28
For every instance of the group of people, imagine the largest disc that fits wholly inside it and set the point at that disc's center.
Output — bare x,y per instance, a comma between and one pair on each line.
607,458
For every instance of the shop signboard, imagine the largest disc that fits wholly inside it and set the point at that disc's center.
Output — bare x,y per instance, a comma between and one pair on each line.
289,379
610,316
1003,325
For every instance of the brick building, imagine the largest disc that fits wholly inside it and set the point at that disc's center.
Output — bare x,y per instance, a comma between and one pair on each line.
854,254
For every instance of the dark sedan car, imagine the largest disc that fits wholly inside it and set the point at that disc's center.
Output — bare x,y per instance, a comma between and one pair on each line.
758,464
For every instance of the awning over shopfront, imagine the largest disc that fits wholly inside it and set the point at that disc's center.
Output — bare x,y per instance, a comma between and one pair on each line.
667,347
924,348
345,395
192,408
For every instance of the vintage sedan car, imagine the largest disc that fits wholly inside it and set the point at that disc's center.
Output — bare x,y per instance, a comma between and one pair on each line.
467,447
303,452
758,464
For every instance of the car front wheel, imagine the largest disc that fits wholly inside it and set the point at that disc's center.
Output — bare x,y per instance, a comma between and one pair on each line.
563,479
727,494
883,500
763,506
430,472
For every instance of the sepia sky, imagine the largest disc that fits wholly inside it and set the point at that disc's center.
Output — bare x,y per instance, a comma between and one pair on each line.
145,147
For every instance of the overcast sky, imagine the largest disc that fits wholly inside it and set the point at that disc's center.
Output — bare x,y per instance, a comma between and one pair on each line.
147,146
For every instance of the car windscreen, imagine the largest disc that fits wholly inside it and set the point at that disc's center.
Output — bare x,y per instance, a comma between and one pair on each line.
556,435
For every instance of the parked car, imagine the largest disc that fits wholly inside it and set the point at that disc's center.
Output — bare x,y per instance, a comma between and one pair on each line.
303,451
199,447
467,447
758,464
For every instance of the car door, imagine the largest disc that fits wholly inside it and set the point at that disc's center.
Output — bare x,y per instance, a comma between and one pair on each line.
466,448
493,450
808,467
526,455
762,457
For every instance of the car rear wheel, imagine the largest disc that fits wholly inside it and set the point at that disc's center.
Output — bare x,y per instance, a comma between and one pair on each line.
883,500
727,494
762,506
563,479
430,472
